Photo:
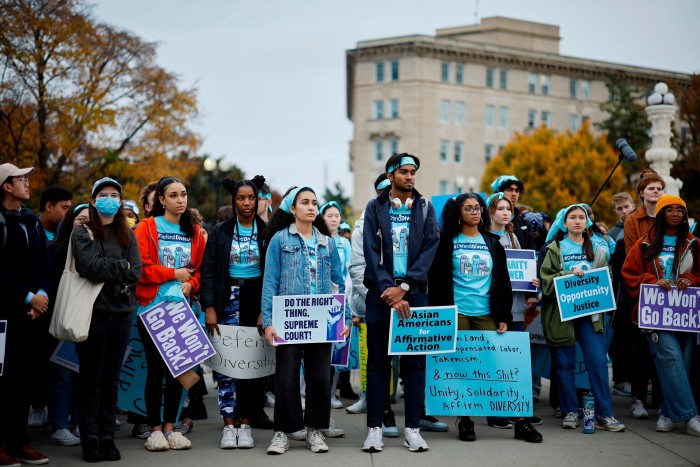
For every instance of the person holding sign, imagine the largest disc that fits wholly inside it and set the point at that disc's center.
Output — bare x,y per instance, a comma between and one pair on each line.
300,260
668,256
106,251
573,253
231,294
400,238
171,246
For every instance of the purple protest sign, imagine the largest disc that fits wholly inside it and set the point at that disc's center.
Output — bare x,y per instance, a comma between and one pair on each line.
675,310
178,336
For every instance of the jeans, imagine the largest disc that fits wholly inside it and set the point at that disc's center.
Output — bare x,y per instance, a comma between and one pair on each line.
63,396
672,352
379,363
593,348
317,362
101,357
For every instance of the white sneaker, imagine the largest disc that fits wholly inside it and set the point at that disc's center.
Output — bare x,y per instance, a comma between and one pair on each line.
414,441
269,399
692,426
64,437
335,402
177,441
157,442
664,424
37,418
358,407
279,444
229,438
332,431
314,441
638,410
298,435
303,402
373,442
570,420
245,437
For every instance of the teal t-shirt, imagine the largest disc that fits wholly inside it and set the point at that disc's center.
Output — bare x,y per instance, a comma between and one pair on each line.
244,260
50,236
344,251
573,255
668,251
471,272
311,245
400,222
601,242
175,247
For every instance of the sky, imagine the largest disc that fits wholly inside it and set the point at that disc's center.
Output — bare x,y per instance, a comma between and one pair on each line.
271,74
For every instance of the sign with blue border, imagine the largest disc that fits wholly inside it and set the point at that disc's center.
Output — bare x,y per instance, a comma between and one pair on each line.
429,330
522,268
583,296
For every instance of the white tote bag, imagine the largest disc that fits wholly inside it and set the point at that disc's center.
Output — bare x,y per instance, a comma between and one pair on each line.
75,299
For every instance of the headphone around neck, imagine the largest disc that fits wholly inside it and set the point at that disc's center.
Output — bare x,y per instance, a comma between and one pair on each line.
396,202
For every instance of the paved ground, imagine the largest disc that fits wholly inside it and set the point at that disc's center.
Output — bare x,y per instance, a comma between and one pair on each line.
638,445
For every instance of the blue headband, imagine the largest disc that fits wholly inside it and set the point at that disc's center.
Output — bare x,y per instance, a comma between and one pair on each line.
264,195
500,180
344,226
498,195
558,223
405,160
383,184
80,207
329,204
288,200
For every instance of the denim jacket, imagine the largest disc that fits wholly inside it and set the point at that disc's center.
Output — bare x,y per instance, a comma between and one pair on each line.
287,269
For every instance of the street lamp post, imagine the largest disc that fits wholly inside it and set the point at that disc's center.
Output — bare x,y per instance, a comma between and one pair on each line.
471,183
215,168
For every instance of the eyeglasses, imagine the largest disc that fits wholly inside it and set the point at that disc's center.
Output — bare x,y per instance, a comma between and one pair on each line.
470,210
23,180
82,219
114,195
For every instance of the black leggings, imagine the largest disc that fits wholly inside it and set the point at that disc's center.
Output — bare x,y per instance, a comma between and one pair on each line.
154,393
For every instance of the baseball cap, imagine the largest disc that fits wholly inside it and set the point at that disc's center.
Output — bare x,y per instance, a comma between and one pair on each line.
103,182
9,170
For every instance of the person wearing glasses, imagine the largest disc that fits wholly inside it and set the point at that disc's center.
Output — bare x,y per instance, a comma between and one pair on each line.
25,283
105,250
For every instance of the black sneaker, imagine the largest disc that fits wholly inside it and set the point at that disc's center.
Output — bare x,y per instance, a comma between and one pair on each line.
465,428
532,420
501,423
346,392
526,432
109,450
91,449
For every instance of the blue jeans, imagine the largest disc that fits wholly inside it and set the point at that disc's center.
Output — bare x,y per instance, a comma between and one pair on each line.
593,348
672,354
63,397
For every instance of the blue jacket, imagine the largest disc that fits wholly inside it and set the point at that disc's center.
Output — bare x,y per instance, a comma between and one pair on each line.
423,241
287,269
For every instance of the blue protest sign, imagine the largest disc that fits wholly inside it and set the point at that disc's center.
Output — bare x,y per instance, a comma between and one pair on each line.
583,296
305,319
178,336
346,355
429,330
522,268
488,374
675,310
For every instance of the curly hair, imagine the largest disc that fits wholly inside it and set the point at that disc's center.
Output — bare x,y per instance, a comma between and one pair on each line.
452,215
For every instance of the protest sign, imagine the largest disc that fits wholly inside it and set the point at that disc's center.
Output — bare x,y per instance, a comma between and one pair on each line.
429,330
241,353
522,268
675,310
535,330
66,356
3,339
178,336
305,319
488,374
583,296
362,344
345,355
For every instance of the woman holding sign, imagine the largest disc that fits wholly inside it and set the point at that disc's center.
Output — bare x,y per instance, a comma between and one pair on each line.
300,260
171,246
573,253
230,294
668,256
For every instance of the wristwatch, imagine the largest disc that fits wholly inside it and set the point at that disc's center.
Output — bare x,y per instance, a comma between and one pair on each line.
405,287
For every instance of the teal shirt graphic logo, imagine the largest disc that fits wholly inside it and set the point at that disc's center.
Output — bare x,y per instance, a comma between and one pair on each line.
400,222
244,260
668,251
175,247
471,270
573,256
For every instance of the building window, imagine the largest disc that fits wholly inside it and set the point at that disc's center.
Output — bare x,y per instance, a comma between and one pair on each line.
504,79
532,83
572,88
444,186
490,116
546,85
500,149
459,151
394,108
459,73
489,77
379,72
488,152
573,122
584,119
394,146
546,118
395,70
459,112
585,89
378,150
378,110
444,149
445,111
445,72
531,118
503,118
